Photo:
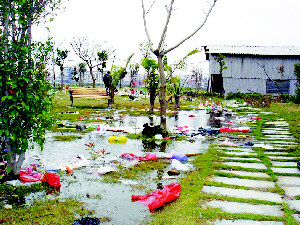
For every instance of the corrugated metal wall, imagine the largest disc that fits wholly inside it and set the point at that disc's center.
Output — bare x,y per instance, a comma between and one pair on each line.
245,73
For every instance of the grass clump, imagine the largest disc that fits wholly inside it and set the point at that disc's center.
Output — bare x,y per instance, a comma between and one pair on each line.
45,212
66,137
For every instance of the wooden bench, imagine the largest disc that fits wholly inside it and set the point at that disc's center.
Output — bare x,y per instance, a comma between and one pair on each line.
89,93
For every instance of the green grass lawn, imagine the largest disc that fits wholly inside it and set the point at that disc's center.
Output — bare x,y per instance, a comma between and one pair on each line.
186,209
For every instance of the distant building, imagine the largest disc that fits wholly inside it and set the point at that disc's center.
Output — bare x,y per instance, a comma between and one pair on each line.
253,69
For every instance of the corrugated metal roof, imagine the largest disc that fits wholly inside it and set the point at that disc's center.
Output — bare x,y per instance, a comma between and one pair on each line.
254,50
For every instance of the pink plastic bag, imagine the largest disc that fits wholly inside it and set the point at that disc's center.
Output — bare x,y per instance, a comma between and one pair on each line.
159,197
30,176
131,156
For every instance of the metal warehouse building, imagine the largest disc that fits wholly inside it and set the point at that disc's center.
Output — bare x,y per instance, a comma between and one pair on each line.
253,69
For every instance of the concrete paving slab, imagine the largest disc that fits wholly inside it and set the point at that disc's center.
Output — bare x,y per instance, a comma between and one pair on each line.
291,191
241,158
278,122
241,193
288,181
245,222
284,157
283,164
297,217
247,165
285,170
283,142
244,182
246,149
294,204
275,128
245,173
240,153
238,207
276,153
275,132
275,136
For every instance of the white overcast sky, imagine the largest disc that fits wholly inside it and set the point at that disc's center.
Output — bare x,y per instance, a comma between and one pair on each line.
119,25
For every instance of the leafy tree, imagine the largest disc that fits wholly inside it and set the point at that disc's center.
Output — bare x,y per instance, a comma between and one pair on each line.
91,54
297,74
152,79
197,73
174,85
221,60
161,51
134,69
60,61
26,99
81,70
75,75
112,78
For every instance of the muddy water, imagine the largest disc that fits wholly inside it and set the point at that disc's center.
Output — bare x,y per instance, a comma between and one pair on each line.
114,200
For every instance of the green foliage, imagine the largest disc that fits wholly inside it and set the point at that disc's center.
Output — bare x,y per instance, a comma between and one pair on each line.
117,73
26,97
61,56
102,58
297,74
220,59
152,79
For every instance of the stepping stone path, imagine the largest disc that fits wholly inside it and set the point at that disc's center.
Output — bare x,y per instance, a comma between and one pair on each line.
241,185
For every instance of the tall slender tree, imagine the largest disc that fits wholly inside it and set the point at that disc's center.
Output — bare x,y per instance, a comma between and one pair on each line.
60,61
160,52
25,102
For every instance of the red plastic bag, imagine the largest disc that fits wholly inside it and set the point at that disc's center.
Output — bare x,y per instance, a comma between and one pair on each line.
52,179
159,197
29,176
230,130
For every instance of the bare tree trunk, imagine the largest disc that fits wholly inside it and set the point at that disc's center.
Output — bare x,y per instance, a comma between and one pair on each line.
62,78
152,101
176,102
92,75
162,94
15,161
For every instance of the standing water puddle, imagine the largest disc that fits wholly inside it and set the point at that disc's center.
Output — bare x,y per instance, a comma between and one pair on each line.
113,200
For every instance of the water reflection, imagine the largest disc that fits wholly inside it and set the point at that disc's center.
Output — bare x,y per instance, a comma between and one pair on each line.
115,197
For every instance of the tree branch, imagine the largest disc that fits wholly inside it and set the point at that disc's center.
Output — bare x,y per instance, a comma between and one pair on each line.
163,35
206,17
145,26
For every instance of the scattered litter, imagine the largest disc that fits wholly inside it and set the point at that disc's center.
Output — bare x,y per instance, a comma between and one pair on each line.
103,170
228,143
230,130
173,172
158,137
159,197
80,127
30,174
178,156
128,182
131,156
87,221
52,179
178,165
8,206
256,118
208,131
117,140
